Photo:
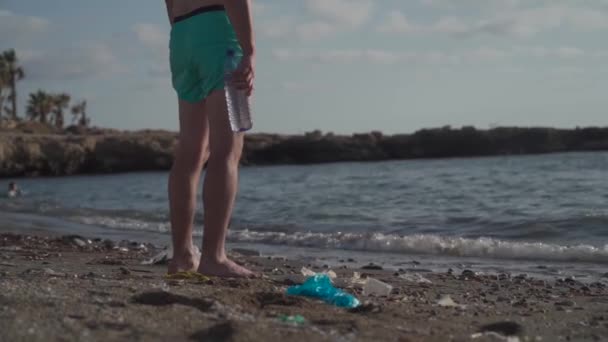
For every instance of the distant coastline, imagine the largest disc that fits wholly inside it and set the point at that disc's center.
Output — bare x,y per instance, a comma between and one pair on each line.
33,149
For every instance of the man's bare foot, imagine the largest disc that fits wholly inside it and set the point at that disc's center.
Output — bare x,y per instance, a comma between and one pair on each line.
185,263
224,269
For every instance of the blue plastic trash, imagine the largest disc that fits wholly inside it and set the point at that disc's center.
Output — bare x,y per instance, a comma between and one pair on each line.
319,286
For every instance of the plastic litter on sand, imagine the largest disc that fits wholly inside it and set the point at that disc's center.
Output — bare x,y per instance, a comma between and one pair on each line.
415,278
376,287
356,279
496,336
319,286
164,256
295,319
309,273
447,301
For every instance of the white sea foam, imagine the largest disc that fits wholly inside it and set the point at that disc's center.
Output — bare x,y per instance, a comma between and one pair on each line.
122,223
431,244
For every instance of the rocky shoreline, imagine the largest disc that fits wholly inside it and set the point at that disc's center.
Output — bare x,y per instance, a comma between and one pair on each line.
58,288
31,153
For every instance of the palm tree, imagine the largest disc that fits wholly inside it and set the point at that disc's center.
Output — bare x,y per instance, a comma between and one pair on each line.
14,73
3,81
60,102
39,105
79,114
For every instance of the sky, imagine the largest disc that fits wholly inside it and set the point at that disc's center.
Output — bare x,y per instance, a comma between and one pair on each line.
339,66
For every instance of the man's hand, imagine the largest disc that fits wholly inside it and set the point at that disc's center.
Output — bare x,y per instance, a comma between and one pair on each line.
245,73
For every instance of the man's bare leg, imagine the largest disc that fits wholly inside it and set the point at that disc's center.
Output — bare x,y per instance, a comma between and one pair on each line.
220,188
191,153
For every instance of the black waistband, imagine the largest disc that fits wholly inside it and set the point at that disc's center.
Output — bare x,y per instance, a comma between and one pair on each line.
204,9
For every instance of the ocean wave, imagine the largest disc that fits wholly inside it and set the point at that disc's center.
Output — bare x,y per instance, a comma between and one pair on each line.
427,243
431,244
122,223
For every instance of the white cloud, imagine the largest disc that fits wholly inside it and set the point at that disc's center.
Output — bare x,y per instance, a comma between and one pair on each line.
481,54
564,52
533,21
518,22
299,86
350,13
473,3
570,52
315,30
600,54
259,8
156,39
567,70
286,27
494,5
449,25
485,54
339,56
396,22
76,61
276,28
82,61
381,56
152,36
158,69
15,27
329,17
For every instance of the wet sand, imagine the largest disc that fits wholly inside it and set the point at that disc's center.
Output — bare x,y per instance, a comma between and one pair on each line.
74,289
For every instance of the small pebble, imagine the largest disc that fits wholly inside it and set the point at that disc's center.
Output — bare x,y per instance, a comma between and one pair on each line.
566,303
503,276
467,274
372,267
521,303
504,328
79,242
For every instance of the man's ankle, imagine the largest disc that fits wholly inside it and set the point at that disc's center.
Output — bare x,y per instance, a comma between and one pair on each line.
185,253
215,258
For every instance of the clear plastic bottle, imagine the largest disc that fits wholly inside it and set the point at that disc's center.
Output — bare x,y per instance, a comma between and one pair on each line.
237,101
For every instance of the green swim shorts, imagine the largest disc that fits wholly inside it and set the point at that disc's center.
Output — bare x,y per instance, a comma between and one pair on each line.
198,47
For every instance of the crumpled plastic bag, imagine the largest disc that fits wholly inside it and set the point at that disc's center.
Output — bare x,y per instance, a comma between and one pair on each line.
308,272
415,278
164,256
319,286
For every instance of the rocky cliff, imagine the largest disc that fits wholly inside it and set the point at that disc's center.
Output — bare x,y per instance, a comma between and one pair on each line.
24,153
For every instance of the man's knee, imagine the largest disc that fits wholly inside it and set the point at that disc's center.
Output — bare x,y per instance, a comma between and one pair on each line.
228,156
190,161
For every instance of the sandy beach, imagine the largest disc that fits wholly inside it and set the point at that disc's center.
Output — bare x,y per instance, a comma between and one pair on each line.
55,288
